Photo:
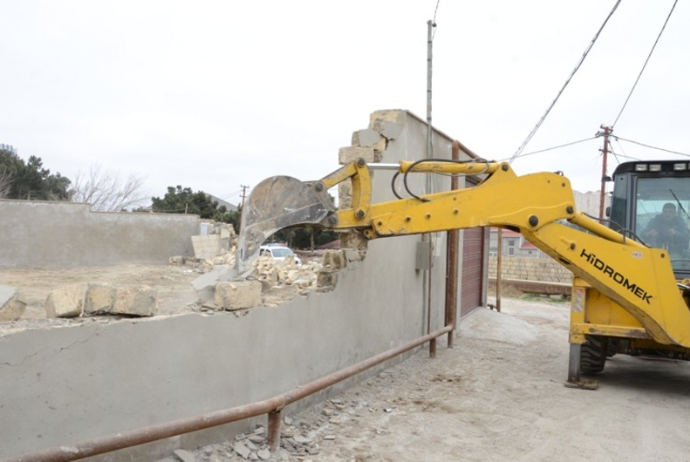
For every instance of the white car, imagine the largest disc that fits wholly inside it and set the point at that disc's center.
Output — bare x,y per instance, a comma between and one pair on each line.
278,252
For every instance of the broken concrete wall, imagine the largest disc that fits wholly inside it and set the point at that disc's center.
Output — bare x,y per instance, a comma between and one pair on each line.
63,234
94,379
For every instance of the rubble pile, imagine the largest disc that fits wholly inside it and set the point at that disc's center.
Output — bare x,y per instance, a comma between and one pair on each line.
300,440
215,282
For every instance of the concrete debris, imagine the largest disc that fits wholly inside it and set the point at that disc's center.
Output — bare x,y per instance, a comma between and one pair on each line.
242,450
206,283
66,301
300,440
12,305
185,456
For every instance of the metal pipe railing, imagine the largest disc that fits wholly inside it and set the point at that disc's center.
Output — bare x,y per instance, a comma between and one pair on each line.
272,407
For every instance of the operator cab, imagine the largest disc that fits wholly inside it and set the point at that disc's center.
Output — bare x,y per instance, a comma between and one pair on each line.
651,204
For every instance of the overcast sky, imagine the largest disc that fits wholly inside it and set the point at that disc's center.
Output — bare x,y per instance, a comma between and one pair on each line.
214,95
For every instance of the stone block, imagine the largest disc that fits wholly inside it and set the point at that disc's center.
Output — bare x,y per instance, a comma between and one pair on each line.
103,299
351,154
238,295
368,138
135,301
390,115
334,259
353,241
327,278
176,261
66,301
99,298
345,194
12,304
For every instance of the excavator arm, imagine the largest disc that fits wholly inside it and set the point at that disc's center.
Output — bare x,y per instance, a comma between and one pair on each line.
540,206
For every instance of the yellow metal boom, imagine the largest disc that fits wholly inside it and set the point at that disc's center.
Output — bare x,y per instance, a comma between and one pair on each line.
639,278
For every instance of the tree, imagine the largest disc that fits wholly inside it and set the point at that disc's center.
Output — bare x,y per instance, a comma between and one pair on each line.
183,200
30,180
106,192
5,184
305,237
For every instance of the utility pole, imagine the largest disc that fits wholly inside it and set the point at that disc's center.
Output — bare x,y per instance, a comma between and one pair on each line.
426,238
244,194
604,178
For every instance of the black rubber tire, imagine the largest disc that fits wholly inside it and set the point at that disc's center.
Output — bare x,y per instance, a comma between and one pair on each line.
593,354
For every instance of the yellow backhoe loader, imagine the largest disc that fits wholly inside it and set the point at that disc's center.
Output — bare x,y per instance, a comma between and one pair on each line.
630,291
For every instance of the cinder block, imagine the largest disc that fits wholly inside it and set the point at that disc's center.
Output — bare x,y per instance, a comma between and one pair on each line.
238,295
66,302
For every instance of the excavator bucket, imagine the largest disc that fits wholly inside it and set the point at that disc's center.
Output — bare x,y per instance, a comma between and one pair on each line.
276,203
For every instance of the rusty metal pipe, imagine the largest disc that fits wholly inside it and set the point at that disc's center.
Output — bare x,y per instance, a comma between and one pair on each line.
96,446
275,419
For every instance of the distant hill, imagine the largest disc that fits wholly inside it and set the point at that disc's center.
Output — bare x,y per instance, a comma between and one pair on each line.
228,206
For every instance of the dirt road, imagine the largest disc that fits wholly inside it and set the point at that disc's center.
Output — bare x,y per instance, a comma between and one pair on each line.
499,396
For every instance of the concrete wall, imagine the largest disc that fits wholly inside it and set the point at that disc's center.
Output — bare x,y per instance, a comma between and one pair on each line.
60,234
93,379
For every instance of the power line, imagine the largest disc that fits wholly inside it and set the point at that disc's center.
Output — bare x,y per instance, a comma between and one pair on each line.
653,147
555,147
582,59
645,63
434,20
234,193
